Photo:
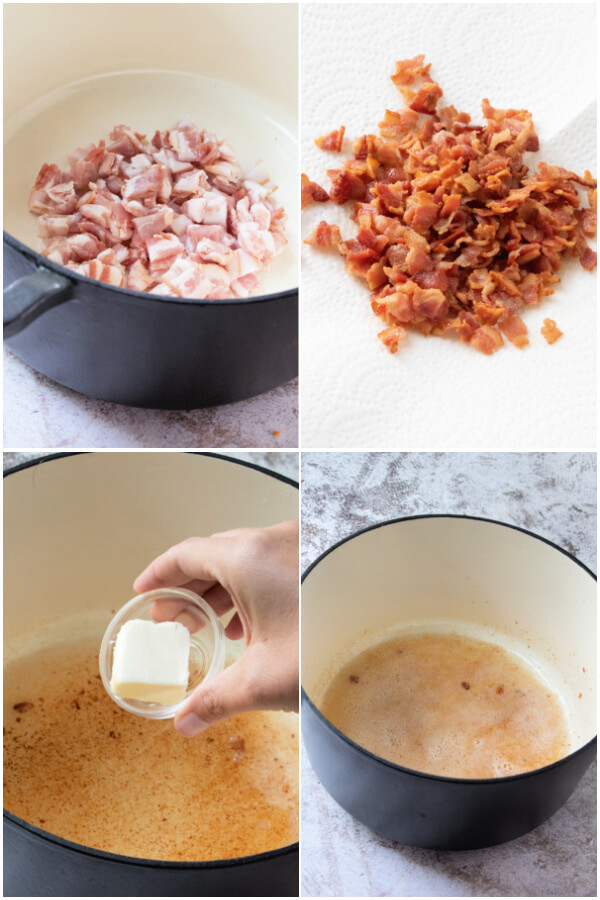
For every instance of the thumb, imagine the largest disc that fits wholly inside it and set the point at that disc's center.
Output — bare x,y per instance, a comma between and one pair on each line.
225,695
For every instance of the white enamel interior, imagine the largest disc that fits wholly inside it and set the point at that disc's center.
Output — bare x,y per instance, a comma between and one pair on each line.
73,71
476,578
79,529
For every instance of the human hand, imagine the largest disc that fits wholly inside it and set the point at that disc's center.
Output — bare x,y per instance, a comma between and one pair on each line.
255,572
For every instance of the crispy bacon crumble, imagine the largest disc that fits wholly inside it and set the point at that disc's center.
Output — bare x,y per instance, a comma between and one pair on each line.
551,331
454,234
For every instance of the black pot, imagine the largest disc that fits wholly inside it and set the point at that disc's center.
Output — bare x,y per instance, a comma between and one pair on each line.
235,76
488,573
36,865
143,350
58,511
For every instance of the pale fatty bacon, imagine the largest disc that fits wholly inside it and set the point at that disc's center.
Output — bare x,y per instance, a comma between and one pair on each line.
453,232
175,216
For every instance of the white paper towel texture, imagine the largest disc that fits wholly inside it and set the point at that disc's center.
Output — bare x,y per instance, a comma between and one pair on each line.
437,393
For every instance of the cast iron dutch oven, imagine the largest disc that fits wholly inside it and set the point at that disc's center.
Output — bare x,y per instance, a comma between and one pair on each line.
472,572
72,72
79,525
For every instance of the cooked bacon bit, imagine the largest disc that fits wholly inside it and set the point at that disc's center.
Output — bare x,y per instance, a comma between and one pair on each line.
325,236
486,339
311,192
174,217
466,685
588,259
426,98
332,141
551,331
238,745
346,186
392,336
407,70
515,330
453,233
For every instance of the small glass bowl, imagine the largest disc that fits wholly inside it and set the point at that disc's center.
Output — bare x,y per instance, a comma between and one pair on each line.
207,642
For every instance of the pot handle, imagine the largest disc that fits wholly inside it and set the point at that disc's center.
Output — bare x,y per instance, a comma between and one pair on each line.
31,296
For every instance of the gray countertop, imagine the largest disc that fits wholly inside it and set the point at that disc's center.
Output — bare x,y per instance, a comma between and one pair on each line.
283,463
39,412
550,494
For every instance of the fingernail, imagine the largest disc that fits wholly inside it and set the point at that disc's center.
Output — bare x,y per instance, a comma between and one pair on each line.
190,725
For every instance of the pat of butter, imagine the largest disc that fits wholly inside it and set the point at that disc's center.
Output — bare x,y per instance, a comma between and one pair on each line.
151,661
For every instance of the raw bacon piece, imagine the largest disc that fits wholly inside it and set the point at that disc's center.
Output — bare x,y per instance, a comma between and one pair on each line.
453,232
153,184
138,278
125,141
162,251
145,227
172,217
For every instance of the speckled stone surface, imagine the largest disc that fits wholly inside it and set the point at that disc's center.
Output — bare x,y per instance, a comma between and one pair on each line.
281,462
551,494
40,413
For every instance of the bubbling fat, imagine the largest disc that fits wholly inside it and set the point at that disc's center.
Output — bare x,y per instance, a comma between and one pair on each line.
448,704
80,767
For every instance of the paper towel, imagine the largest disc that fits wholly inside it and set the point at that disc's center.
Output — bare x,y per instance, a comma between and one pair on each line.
436,393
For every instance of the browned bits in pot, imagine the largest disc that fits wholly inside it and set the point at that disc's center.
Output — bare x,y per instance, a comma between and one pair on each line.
453,232
500,689
354,679
238,745
466,685
25,706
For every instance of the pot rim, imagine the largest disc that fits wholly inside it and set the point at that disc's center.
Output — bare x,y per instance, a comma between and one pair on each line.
362,751
288,849
45,263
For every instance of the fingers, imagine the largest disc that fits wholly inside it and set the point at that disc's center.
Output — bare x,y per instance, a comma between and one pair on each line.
227,694
173,610
235,629
191,560
219,599
167,610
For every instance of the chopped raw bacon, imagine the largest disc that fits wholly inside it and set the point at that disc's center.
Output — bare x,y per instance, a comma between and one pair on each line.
551,331
453,232
332,141
174,217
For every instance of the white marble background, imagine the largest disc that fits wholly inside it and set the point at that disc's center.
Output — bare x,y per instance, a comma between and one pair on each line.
552,494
